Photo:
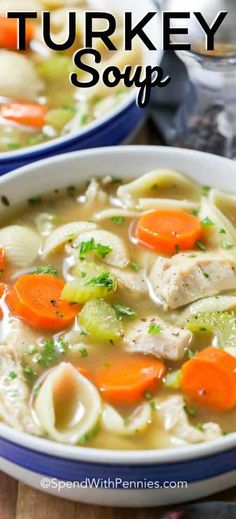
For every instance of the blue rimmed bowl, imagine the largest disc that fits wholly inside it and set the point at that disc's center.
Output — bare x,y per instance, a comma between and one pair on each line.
119,124
107,477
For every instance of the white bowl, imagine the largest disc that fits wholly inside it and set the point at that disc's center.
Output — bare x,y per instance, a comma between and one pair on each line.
202,469
119,123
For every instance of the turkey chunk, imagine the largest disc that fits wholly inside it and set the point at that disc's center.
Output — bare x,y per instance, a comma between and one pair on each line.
153,336
188,277
18,77
175,421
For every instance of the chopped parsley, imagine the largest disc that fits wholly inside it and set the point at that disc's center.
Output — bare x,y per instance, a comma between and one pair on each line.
118,219
148,395
89,435
116,180
30,373
205,274
103,250
88,246
103,280
222,231
51,352
83,352
227,245
135,266
190,353
154,328
71,190
207,222
200,245
12,375
205,190
153,405
47,269
35,200
190,410
199,426
84,119
123,310
195,212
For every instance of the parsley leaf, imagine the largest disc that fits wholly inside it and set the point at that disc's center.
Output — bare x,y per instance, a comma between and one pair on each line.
118,219
123,310
103,280
200,245
47,269
12,375
35,200
135,266
83,352
103,250
207,222
51,351
88,246
154,328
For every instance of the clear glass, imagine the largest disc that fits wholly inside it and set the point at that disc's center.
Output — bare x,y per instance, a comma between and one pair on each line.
206,119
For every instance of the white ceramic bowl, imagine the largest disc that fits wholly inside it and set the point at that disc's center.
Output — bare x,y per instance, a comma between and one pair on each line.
118,124
205,468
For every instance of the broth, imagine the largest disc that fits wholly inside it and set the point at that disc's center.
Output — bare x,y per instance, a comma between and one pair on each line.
38,102
38,359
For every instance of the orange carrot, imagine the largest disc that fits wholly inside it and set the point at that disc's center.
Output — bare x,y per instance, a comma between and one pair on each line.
8,33
3,289
2,260
125,381
209,379
168,231
30,114
36,298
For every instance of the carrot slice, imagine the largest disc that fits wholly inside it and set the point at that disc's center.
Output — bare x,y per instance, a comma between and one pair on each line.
3,289
36,298
168,231
209,379
30,114
2,260
9,31
126,381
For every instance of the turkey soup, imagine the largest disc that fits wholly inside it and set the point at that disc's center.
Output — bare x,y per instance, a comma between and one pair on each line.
117,310
37,100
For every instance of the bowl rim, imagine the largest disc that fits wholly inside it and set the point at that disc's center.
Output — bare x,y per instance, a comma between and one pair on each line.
120,457
89,129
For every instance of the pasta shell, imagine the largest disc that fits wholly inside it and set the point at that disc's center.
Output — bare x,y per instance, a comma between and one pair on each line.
67,405
222,231
224,202
114,423
208,304
110,213
21,244
143,186
63,234
165,203
118,257
45,223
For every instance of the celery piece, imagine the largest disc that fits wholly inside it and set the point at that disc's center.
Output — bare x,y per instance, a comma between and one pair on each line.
221,324
55,68
99,319
92,281
172,380
59,117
